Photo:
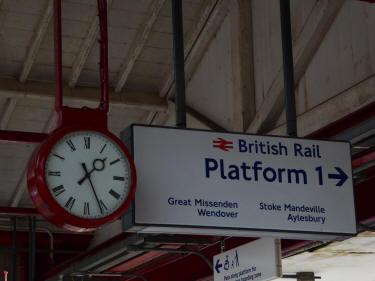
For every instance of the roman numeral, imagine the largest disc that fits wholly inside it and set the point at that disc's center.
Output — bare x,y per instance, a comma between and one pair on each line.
71,145
87,142
103,148
86,208
58,190
118,178
54,173
58,156
103,205
114,194
114,161
69,204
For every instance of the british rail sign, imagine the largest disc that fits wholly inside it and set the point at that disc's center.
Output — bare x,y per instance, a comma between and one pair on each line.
204,182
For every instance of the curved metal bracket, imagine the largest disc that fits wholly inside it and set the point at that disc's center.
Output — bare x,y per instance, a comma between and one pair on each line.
177,251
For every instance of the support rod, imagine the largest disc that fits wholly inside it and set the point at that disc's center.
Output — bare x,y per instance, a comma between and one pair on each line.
286,38
179,67
32,248
14,249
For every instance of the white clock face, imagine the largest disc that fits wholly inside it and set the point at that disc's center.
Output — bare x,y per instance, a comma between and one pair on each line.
88,174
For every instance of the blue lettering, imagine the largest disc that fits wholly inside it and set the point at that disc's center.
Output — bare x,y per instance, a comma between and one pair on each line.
211,165
242,146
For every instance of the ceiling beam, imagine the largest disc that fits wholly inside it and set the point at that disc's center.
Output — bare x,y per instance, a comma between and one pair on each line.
11,88
333,109
138,44
9,107
307,43
38,38
207,25
243,93
210,19
85,50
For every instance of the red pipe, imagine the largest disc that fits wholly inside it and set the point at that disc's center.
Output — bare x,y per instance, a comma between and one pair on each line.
58,55
104,82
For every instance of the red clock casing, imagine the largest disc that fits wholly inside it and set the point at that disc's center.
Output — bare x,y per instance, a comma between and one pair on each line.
43,199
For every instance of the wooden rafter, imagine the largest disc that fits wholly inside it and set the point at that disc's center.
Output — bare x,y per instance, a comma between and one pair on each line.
243,94
38,38
209,14
9,107
210,19
194,115
308,42
138,44
333,109
10,88
85,50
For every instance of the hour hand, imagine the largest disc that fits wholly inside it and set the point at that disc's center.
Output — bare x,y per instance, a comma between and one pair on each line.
87,174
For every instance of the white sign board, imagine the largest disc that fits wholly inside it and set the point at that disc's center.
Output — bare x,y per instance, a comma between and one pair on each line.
201,180
257,260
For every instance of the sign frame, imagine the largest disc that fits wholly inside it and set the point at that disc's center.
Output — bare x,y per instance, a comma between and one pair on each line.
130,224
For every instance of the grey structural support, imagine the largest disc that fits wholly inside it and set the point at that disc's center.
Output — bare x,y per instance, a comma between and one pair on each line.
179,63
90,275
286,38
303,276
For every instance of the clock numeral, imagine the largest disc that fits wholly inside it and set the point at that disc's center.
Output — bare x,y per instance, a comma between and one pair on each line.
86,208
87,142
58,156
54,173
118,178
114,194
69,204
114,161
101,151
58,190
103,205
71,145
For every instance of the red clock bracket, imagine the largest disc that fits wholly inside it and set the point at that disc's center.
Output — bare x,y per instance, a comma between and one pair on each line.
71,120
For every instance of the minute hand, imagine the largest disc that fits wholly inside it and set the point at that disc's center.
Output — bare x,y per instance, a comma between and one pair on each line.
92,186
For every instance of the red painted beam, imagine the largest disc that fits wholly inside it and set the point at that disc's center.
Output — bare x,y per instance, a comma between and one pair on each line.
24,212
345,123
22,137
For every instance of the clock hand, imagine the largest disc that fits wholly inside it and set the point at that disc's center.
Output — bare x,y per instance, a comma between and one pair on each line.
87,174
95,168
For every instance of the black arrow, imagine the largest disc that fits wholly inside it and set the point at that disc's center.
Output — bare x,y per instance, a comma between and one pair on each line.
218,265
340,176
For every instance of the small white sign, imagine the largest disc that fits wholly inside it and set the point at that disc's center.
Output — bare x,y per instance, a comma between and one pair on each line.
257,260
191,181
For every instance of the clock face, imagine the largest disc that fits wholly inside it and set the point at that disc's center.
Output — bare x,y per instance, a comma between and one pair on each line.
88,174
